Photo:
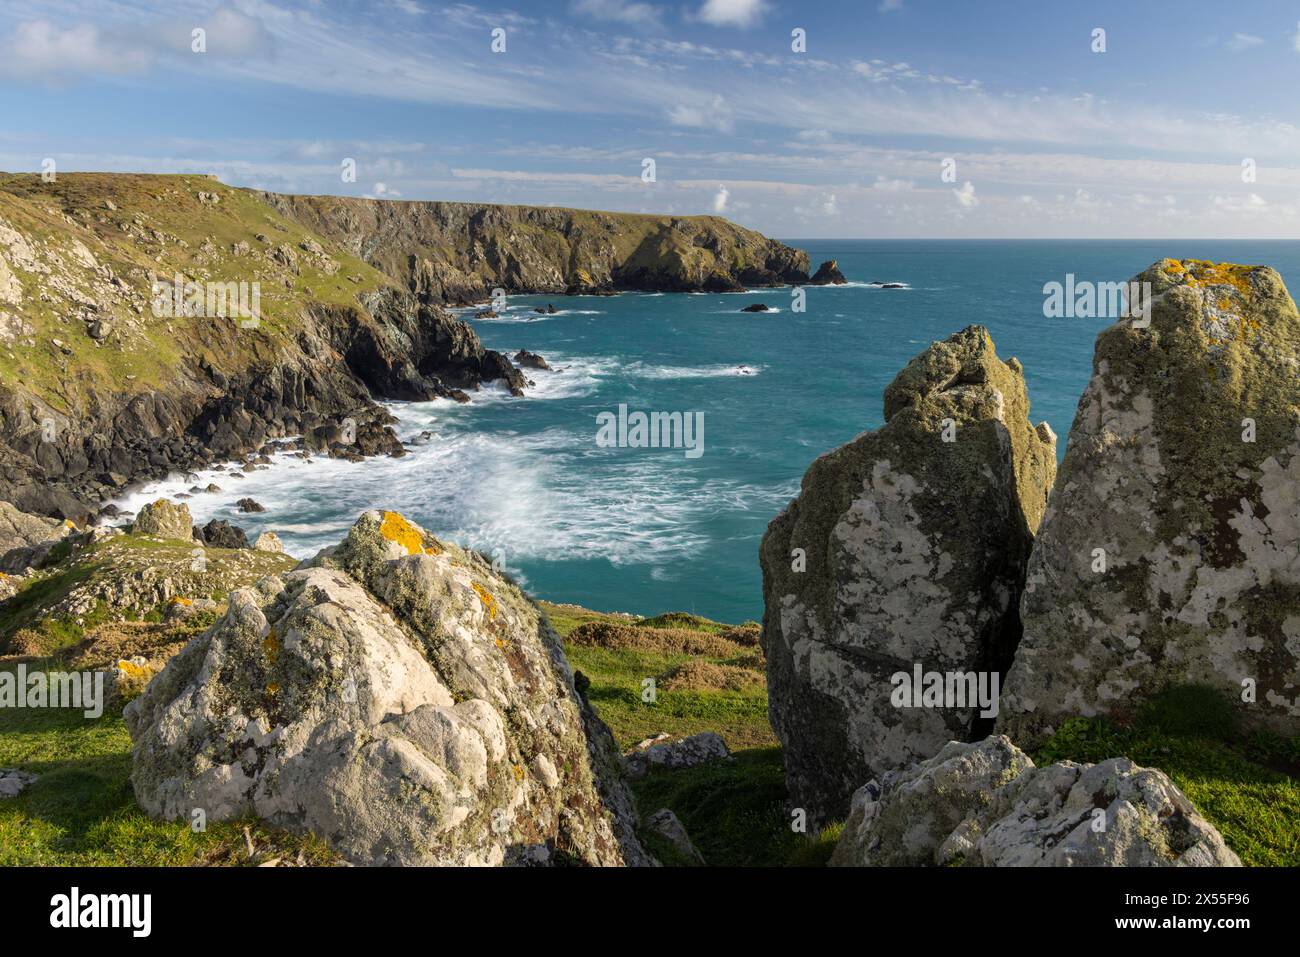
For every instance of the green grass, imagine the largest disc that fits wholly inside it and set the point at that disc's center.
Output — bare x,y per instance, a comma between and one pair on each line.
1247,784
82,812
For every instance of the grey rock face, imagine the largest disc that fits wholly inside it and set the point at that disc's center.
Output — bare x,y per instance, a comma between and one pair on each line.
164,519
1170,553
986,805
26,539
13,782
905,547
684,753
397,698
668,826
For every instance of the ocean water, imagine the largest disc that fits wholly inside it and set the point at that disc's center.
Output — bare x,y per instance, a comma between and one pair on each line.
651,530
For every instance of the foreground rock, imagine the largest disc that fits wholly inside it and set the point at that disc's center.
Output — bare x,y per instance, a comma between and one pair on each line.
905,549
1171,551
828,274
987,805
397,698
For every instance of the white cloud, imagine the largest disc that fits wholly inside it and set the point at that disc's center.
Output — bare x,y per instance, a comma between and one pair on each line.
890,6
720,200
714,115
732,13
1241,42
39,49
620,11
966,195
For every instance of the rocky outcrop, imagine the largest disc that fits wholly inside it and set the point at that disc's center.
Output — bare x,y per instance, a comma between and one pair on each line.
396,697
904,551
164,519
530,360
460,252
669,827
986,805
1170,553
107,377
828,274
26,539
688,752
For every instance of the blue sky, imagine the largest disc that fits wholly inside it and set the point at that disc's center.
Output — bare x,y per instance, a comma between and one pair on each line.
1046,137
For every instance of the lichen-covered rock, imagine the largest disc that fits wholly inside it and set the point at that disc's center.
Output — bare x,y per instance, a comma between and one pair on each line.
396,697
905,547
1170,553
985,804
26,539
268,542
661,752
164,519
668,826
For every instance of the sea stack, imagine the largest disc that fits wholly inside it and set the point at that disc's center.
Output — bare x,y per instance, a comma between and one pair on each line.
828,274
905,549
1170,553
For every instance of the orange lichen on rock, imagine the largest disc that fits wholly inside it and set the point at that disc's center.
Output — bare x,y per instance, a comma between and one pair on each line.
271,645
486,597
1201,273
395,528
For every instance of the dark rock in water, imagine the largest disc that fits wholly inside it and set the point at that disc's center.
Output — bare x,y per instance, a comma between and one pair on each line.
502,368
828,274
887,285
249,505
530,360
905,550
486,314
757,307
219,533
547,310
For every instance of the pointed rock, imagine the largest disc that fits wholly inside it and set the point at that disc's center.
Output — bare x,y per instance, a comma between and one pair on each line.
905,548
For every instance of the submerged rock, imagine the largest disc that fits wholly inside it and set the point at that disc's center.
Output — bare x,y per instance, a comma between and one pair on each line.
905,549
828,274
986,805
757,307
397,697
1170,553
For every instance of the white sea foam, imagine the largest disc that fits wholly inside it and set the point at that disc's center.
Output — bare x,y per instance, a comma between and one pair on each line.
641,370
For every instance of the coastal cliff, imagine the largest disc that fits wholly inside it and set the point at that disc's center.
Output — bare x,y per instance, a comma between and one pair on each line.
103,383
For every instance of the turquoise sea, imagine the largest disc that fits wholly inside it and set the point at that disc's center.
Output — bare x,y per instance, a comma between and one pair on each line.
650,530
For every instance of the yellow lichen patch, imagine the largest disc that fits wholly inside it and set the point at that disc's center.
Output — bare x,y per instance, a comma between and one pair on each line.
178,600
69,523
519,772
1201,273
273,688
131,670
395,528
489,602
271,645
1172,265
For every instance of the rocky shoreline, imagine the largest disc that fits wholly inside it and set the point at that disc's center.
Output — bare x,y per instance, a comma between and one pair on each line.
98,392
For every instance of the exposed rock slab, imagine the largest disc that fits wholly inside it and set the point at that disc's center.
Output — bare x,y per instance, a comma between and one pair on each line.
396,697
985,804
1170,553
688,752
905,547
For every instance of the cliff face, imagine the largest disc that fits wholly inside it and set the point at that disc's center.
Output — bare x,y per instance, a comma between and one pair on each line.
460,252
99,388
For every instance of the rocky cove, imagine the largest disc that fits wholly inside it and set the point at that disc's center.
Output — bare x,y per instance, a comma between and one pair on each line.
401,700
